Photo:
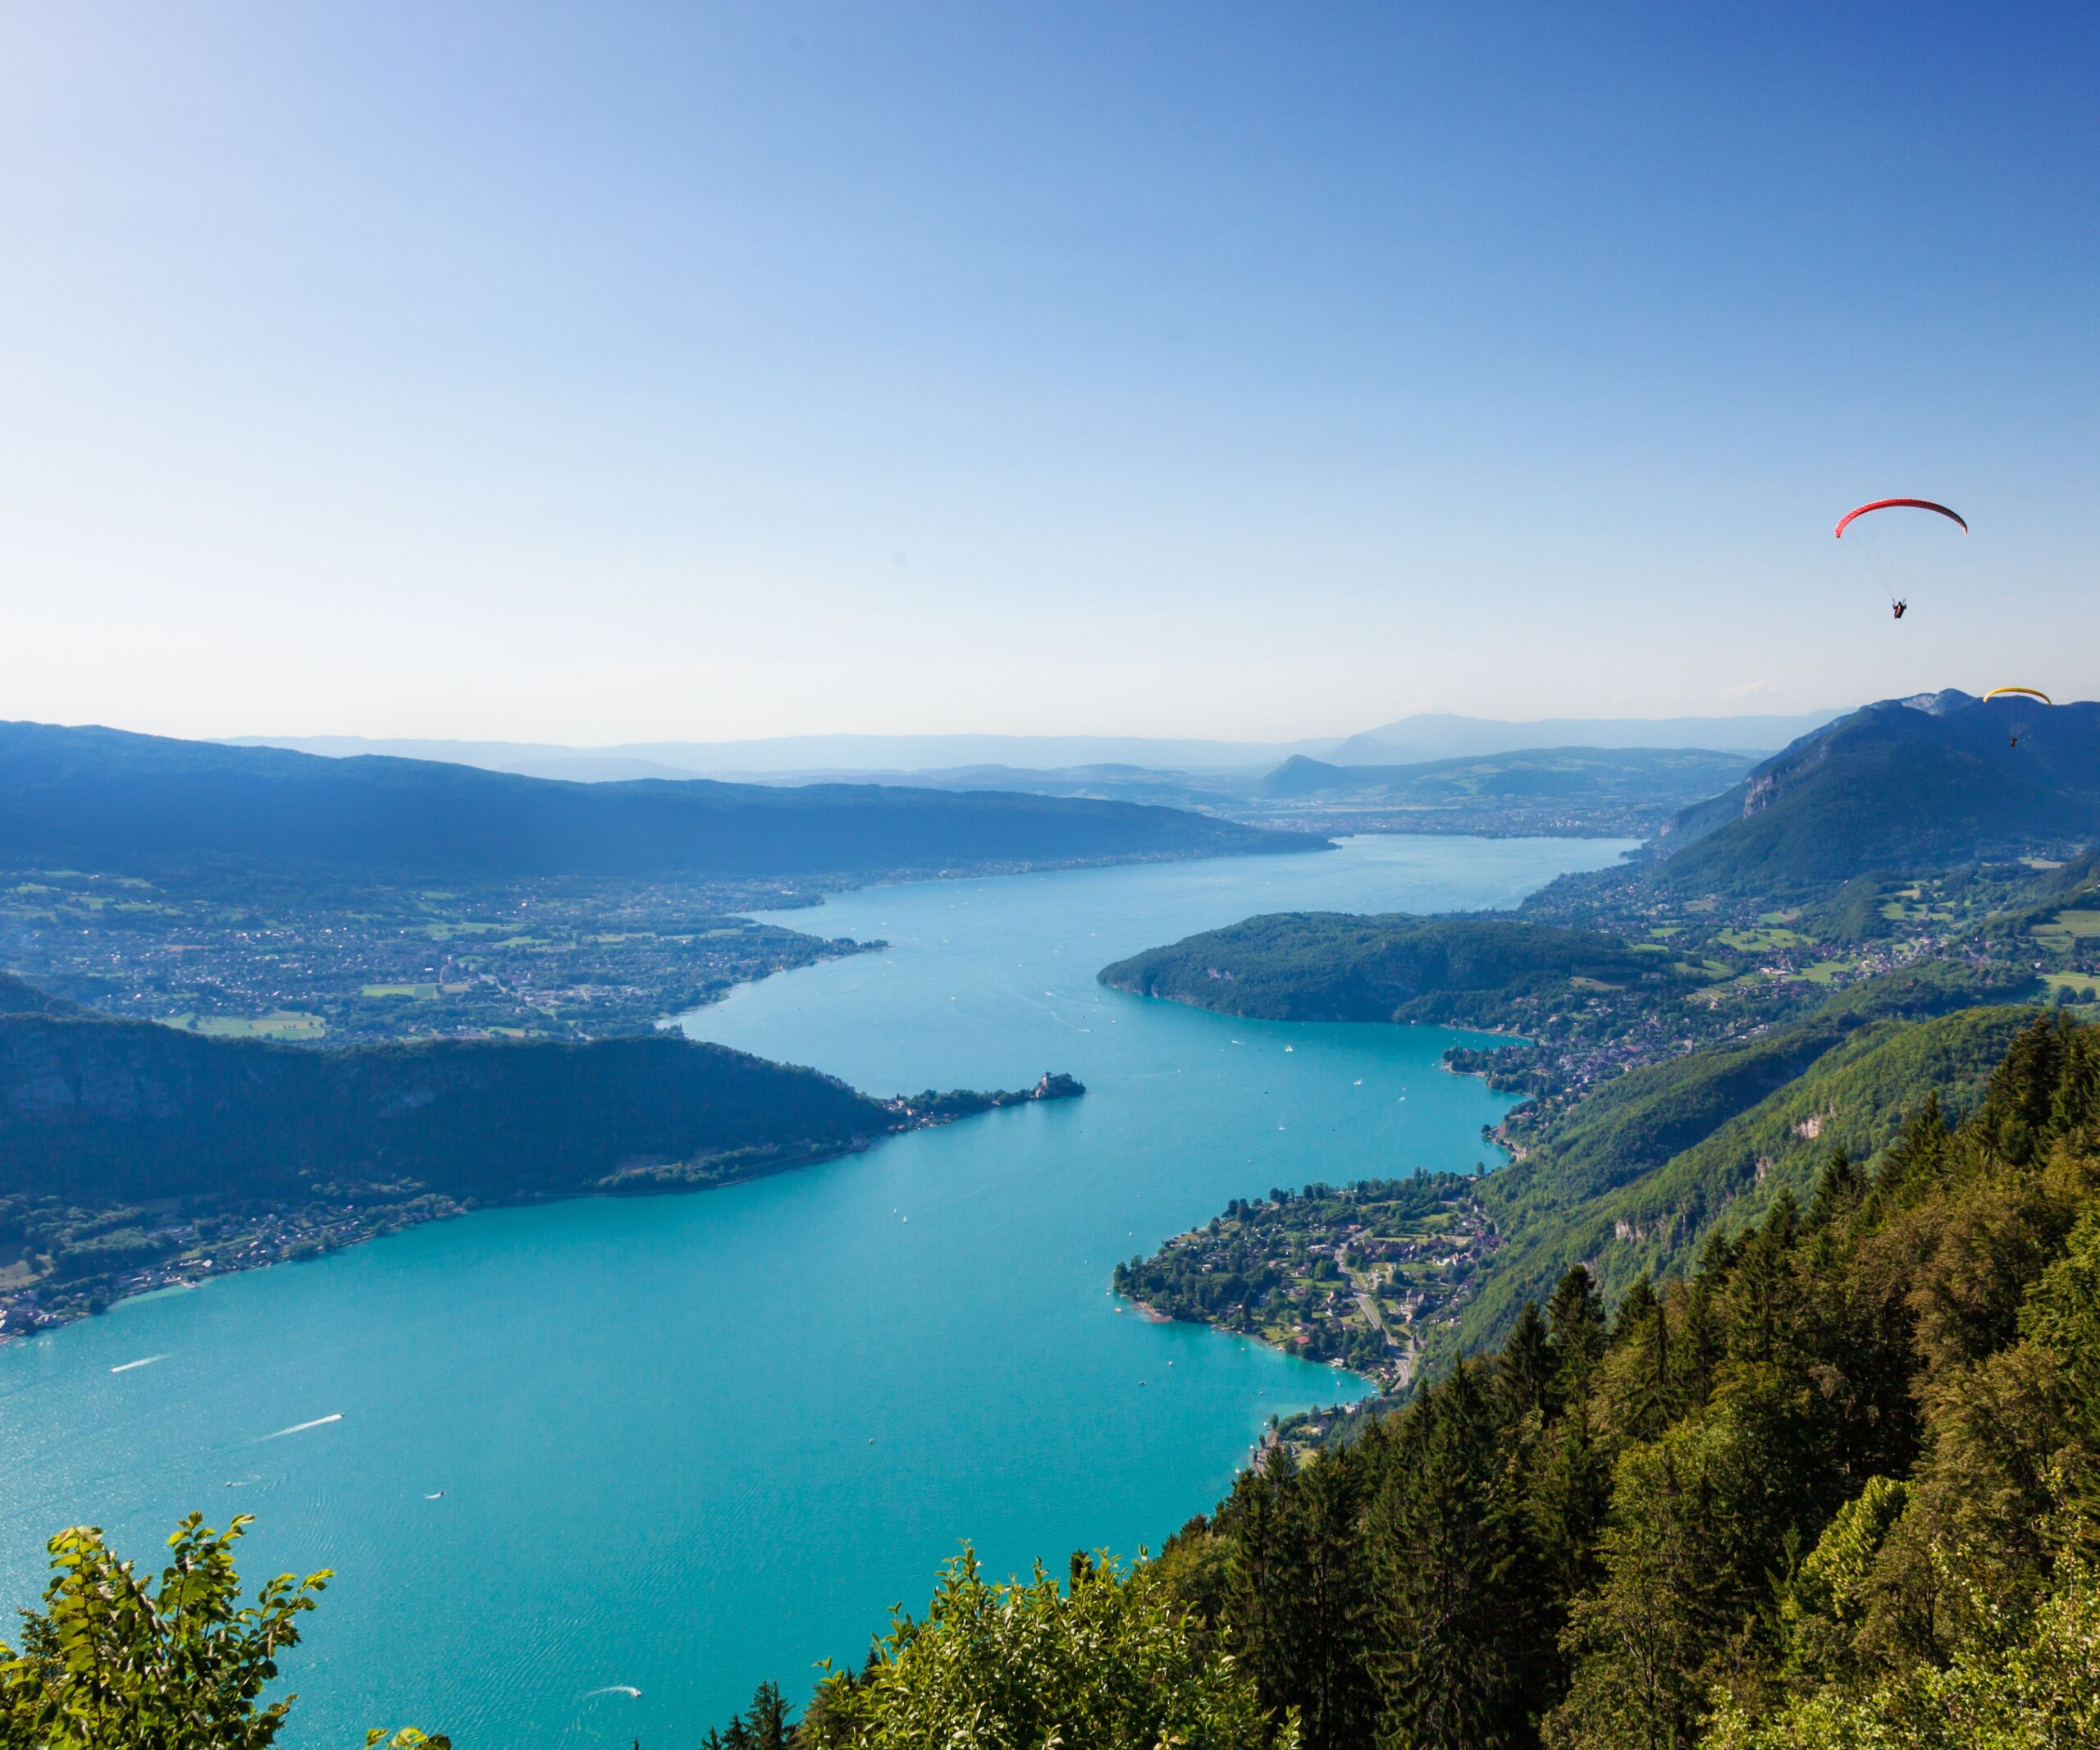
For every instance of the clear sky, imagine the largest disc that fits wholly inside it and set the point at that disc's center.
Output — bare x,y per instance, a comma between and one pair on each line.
609,372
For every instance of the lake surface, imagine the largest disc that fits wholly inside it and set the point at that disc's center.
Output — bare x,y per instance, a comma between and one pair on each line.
679,1444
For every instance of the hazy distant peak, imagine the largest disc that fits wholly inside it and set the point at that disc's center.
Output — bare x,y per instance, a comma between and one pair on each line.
1411,741
1442,735
805,754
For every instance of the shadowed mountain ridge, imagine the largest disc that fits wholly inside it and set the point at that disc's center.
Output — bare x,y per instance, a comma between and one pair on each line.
106,800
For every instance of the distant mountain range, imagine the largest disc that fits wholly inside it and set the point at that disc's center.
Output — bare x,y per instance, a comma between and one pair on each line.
104,800
1692,772
1627,780
1440,736
803,755
1618,792
1906,784
1434,736
1917,783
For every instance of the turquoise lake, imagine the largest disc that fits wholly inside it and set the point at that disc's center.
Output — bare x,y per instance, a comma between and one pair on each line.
674,1446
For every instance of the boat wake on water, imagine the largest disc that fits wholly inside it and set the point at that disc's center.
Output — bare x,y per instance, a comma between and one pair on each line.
300,1428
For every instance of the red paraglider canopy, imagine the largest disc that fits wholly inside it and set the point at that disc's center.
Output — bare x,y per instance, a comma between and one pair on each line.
1901,504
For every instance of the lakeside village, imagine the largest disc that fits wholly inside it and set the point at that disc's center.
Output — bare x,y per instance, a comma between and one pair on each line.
137,1251
59,1265
1357,1276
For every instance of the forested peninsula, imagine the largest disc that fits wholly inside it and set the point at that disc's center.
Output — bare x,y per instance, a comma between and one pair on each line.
1332,966
132,1155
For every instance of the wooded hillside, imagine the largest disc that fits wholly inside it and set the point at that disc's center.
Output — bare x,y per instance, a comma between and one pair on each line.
1838,1485
1334,966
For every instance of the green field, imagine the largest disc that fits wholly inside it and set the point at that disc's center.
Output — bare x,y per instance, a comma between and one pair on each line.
1761,941
282,1024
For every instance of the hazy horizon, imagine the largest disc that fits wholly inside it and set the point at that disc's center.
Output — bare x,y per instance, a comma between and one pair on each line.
1408,740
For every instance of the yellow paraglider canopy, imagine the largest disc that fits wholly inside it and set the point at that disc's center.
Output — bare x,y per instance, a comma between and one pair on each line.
2024,693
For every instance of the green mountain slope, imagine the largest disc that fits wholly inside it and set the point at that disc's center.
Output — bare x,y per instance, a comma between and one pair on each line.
1623,1224
99,799
1638,1122
1331,965
1905,784
1642,1118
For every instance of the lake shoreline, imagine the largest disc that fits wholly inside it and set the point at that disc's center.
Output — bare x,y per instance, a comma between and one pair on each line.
307,1233
301,1234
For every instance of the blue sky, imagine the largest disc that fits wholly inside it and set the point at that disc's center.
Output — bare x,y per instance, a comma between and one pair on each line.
611,372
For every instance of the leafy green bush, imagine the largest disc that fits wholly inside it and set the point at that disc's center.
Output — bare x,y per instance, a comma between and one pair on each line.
1107,1663
114,1662
2038,1691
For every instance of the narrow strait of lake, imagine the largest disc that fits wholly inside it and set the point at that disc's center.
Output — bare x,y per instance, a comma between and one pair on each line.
562,1455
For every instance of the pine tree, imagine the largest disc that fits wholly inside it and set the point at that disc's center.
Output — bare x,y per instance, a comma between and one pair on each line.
1646,1385
1567,1501
2021,1099
1523,1376
1644,1639
1763,1298
1444,1533
1298,1594
1838,1189
1575,1323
